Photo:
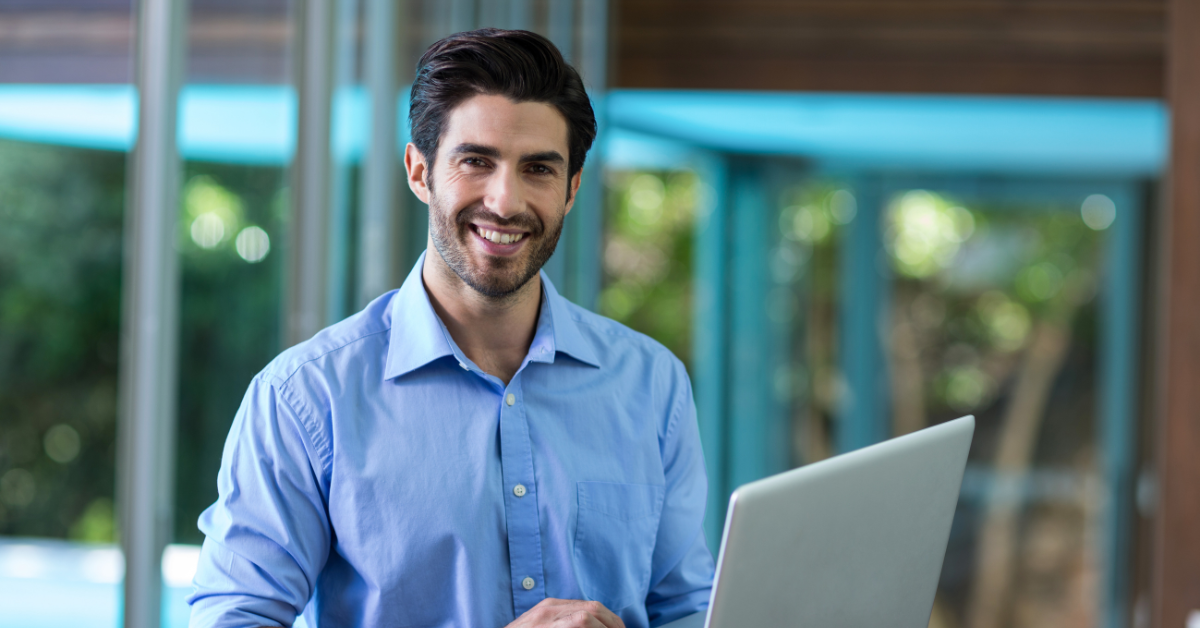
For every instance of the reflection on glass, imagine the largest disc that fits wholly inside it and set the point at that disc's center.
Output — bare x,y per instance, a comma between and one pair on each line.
993,314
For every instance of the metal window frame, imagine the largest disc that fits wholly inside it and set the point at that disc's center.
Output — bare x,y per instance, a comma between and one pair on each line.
381,170
306,288
150,317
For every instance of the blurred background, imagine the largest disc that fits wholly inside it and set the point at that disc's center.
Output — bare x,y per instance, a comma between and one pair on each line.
850,220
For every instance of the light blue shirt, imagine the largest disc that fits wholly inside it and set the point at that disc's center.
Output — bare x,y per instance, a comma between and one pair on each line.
375,476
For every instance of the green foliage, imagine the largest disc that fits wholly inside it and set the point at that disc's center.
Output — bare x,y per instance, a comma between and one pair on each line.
229,317
648,255
973,283
61,224
61,219
97,524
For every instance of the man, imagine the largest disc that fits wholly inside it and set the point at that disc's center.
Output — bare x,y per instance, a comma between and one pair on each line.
472,449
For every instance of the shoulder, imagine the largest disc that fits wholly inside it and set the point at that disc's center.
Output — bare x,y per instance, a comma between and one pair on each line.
611,339
361,336
646,371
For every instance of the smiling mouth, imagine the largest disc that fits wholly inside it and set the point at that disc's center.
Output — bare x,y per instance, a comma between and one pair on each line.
497,237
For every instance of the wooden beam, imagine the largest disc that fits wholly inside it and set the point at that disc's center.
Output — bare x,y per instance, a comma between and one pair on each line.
1177,545
1061,47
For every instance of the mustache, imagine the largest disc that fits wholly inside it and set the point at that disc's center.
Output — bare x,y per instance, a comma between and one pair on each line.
525,221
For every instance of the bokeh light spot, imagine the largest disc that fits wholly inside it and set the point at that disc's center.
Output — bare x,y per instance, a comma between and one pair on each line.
1008,322
646,195
809,224
843,206
1098,212
925,233
62,443
966,388
1040,282
253,244
208,230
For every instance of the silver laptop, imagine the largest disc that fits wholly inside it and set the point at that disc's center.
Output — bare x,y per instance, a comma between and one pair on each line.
853,541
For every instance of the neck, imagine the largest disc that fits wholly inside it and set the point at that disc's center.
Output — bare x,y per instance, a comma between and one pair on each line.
495,333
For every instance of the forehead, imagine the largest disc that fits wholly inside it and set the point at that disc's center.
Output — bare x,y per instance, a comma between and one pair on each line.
498,122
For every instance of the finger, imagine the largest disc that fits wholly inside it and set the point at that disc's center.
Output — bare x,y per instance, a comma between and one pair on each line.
542,613
578,618
606,617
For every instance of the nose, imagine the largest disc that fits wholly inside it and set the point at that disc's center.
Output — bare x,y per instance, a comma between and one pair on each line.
504,196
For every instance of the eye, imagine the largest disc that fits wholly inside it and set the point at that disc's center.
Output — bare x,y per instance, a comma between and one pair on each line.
475,161
540,169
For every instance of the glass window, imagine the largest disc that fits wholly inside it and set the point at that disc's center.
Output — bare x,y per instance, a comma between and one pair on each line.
994,313
65,120
237,114
991,307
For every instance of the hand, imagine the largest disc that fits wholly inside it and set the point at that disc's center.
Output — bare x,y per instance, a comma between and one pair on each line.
568,614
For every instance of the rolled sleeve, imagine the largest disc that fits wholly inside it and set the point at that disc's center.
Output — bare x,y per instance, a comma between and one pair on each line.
682,564
268,534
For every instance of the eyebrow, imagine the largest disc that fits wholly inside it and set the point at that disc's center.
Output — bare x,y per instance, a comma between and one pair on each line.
476,149
549,156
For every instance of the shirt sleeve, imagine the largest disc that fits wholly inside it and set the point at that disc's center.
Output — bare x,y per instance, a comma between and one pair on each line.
682,566
268,534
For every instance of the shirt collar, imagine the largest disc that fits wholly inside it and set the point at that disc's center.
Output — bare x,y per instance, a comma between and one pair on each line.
418,337
562,324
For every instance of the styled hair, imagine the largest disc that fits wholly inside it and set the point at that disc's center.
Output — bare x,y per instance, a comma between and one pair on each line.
519,65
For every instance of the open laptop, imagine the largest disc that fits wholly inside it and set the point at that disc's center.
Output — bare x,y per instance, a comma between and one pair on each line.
853,541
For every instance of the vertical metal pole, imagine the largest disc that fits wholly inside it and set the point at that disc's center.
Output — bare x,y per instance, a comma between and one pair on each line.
584,268
561,21
1118,402
436,21
709,339
339,295
377,254
863,287
520,14
310,173
149,334
493,14
561,31
462,15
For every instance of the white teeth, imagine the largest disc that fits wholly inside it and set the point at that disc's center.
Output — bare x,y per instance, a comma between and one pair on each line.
501,238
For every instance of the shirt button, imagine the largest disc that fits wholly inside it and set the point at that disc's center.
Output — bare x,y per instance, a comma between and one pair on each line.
527,583
519,490
510,399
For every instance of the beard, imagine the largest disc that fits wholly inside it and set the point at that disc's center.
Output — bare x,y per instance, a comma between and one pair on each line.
494,277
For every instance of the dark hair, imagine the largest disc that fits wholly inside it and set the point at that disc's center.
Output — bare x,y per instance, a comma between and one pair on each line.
520,65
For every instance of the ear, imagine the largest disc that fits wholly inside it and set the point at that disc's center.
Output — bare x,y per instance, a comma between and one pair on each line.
574,185
414,163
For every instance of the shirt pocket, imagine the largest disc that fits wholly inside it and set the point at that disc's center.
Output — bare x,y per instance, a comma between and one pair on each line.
616,527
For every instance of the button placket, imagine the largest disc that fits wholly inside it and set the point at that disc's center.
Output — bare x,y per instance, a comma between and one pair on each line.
520,503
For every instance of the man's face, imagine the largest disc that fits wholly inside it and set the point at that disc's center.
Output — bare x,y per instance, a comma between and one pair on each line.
497,192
